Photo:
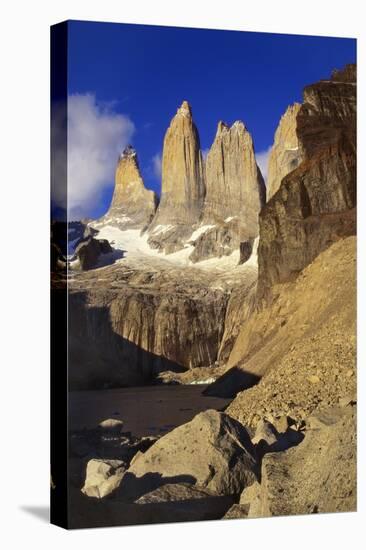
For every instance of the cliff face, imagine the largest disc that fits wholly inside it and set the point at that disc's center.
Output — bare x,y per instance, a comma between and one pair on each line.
183,188
234,184
235,193
130,323
315,203
133,206
285,154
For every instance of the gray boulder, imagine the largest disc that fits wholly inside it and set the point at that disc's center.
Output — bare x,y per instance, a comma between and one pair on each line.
212,451
102,477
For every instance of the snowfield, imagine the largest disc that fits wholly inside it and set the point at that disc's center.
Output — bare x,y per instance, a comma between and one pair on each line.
134,245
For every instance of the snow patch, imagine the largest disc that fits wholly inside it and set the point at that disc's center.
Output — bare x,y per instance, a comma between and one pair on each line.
161,229
224,263
207,381
135,245
200,231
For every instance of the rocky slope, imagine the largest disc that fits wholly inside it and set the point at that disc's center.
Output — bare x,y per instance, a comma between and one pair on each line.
316,476
302,347
285,153
182,187
133,206
314,205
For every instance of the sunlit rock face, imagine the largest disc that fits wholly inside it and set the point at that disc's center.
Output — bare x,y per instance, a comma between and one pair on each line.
315,203
183,187
235,193
234,184
285,154
133,206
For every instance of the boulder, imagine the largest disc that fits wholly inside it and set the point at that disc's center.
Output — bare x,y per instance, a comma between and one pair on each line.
90,250
111,425
212,451
267,439
250,500
236,512
102,477
173,492
319,475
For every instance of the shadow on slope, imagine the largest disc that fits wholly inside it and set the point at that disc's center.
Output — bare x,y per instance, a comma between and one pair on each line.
99,358
232,382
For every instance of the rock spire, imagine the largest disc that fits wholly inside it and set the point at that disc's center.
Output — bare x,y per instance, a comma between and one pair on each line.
285,154
133,206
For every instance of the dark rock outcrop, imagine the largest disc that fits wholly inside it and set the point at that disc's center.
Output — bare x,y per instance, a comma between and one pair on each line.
246,249
315,204
89,251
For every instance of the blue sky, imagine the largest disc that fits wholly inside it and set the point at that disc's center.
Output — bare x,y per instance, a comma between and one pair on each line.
133,78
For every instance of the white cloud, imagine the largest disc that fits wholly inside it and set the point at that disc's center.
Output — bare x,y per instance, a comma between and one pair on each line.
262,160
156,161
96,136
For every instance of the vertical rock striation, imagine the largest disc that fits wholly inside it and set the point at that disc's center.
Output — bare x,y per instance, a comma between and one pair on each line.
285,154
183,187
315,204
131,322
234,184
133,206
235,193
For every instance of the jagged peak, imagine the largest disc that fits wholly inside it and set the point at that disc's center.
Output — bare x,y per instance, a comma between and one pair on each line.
222,127
292,108
347,74
128,152
290,113
185,109
238,125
